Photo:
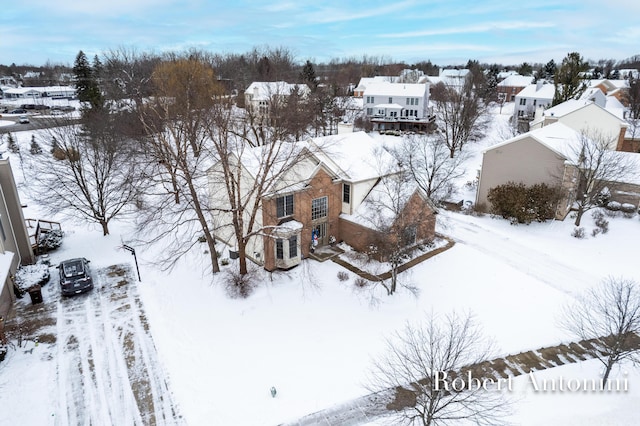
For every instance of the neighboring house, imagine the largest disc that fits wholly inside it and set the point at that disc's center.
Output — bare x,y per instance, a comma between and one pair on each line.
547,155
15,247
358,92
456,78
512,85
54,92
585,116
397,106
326,197
616,88
261,95
532,97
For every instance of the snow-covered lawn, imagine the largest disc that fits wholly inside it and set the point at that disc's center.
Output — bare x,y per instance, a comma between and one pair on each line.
313,337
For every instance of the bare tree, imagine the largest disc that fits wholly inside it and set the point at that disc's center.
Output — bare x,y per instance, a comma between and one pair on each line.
92,174
461,115
597,168
429,163
250,164
422,362
609,313
175,122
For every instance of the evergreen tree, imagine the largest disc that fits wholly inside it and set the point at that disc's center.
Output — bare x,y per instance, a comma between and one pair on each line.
86,84
568,79
12,145
550,69
34,149
525,69
308,75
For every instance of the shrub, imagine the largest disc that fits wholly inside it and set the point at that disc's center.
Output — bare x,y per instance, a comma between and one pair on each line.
224,261
628,208
524,204
34,149
614,206
50,240
595,232
600,221
239,286
343,276
12,145
578,233
361,282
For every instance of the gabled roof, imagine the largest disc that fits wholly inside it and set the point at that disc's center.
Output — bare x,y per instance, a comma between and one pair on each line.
546,91
264,90
573,105
558,137
396,89
516,80
388,197
353,156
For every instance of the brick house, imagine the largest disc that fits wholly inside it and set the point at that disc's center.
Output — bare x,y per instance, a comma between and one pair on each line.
512,85
325,197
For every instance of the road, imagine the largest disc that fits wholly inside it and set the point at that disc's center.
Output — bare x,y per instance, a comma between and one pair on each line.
35,122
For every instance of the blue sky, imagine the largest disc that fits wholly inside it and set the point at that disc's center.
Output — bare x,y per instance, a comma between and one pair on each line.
445,32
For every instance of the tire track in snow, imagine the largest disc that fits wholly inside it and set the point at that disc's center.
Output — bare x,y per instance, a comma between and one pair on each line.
108,370
528,260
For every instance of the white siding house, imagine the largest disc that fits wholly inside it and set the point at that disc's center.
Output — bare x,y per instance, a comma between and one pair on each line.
397,105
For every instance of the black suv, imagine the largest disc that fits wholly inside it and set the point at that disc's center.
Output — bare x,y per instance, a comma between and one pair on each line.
75,276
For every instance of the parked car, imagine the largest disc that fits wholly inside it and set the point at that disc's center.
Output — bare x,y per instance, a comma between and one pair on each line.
75,276
18,111
24,119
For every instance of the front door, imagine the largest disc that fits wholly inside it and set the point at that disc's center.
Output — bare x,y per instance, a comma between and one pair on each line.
319,219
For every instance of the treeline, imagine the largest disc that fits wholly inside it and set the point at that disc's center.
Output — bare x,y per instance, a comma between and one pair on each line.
238,70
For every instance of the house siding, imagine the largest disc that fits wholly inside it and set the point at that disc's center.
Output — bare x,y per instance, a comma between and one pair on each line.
525,161
320,185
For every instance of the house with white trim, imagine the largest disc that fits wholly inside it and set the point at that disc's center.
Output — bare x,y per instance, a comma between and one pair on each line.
398,106
260,96
325,197
532,97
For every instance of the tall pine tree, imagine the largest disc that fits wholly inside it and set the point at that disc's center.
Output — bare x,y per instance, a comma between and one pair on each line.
568,78
86,83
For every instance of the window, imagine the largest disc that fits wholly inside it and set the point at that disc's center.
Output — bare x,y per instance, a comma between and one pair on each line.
279,249
293,247
409,99
318,208
390,100
417,101
409,235
523,101
4,236
346,193
369,99
534,102
284,206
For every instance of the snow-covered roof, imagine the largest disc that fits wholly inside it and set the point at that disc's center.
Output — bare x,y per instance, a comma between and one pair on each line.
566,142
573,105
516,80
380,207
396,89
389,106
39,89
365,81
542,91
558,137
354,156
264,90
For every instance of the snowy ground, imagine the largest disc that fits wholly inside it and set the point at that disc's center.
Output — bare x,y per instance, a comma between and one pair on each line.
313,337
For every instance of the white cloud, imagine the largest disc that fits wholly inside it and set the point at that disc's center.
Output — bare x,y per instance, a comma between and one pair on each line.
482,28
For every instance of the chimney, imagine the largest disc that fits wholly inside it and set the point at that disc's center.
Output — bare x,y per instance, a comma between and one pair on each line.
539,84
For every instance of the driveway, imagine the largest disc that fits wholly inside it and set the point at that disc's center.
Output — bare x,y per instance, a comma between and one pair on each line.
107,369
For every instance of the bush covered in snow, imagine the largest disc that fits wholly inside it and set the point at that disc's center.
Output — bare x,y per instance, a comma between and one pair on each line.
628,208
30,275
614,206
343,276
578,233
50,240
524,204
601,223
